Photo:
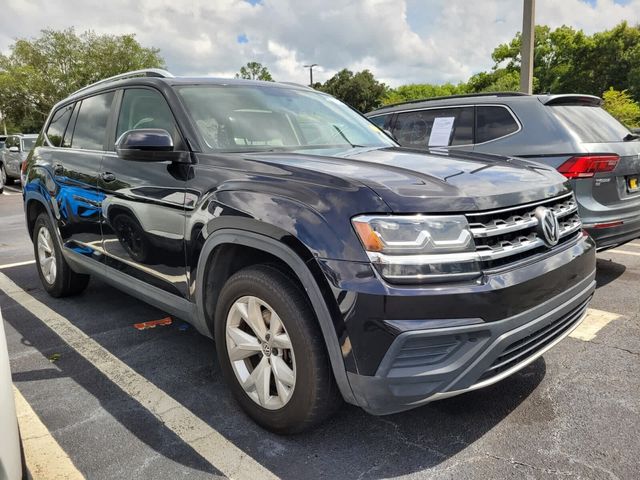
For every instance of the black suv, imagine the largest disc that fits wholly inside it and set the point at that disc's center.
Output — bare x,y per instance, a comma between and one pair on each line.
326,262
569,132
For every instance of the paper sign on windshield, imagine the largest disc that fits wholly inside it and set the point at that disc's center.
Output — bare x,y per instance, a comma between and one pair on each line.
441,131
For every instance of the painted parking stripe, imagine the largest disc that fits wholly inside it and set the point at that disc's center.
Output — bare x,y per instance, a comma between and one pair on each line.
595,321
195,432
44,456
625,252
17,264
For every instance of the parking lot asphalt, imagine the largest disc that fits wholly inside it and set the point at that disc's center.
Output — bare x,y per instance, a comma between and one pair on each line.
128,403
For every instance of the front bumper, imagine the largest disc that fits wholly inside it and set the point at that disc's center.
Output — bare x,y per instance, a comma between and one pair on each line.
426,365
404,346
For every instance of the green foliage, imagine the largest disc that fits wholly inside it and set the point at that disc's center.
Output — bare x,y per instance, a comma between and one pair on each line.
41,71
414,91
569,61
621,105
254,71
360,90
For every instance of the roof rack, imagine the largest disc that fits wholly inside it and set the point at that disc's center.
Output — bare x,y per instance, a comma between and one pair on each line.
146,72
464,95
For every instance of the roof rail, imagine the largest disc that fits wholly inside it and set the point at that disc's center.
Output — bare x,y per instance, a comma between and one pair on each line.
146,72
464,95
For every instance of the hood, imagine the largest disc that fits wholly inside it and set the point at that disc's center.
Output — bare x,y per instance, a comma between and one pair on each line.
412,181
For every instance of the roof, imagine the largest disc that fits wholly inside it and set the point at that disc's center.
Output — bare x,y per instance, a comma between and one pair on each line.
497,97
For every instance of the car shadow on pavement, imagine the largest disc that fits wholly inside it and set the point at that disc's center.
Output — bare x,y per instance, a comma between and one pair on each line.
178,360
607,271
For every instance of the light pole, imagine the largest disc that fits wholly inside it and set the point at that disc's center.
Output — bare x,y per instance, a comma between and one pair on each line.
526,48
310,67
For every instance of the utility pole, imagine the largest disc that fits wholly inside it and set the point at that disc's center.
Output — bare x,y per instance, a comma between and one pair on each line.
310,67
526,48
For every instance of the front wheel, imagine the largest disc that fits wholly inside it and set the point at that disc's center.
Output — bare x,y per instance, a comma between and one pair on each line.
271,351
55,274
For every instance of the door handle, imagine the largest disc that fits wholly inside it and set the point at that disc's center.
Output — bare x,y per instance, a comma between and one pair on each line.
107,177
58,169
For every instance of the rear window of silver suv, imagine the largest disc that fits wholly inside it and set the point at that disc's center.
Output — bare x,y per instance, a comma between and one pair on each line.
590,124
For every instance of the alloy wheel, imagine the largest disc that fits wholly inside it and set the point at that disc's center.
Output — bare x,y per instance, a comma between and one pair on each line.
47,255
260,352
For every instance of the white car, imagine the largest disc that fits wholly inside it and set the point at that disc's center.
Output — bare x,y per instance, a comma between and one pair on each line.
10,458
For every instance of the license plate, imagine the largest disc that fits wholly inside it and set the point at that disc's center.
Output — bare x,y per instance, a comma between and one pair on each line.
633,183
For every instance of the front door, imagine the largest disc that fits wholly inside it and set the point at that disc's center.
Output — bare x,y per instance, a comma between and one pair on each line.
143,212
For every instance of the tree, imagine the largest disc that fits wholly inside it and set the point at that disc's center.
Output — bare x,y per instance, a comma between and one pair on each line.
406,93
254,71
39,72
361,90
621,105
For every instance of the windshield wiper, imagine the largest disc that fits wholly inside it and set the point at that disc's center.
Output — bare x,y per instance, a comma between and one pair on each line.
352,145
630,136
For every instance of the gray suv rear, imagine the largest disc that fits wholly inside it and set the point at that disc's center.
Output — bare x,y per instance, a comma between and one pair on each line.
571,133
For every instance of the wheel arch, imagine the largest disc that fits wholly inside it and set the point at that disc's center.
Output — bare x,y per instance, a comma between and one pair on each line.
296,266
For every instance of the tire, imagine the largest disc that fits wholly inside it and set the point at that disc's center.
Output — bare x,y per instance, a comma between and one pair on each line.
284,409
61,281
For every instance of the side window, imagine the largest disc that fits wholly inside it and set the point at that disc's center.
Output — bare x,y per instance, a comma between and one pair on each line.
493,122
380,120
144,108
91,126
58,124
454,126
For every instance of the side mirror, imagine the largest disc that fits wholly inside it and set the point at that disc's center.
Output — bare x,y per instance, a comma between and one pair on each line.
14,149
149,145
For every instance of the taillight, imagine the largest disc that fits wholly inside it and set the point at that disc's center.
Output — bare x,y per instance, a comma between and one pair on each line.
23,167
588,165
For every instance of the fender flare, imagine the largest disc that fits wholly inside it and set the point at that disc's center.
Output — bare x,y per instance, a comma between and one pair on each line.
297,265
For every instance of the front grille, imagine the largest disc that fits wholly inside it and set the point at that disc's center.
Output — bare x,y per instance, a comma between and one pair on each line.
509,235
524,348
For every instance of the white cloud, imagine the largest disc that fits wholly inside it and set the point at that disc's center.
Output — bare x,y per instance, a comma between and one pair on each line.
400,41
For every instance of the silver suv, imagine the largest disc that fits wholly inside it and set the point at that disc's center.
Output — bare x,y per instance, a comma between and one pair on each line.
15,151
572,133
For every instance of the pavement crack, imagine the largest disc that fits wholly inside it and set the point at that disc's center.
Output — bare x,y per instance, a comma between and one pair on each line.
528,465
637,354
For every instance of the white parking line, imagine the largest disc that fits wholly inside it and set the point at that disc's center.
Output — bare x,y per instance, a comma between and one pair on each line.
17,264
625,252
595,321
211,445
44,456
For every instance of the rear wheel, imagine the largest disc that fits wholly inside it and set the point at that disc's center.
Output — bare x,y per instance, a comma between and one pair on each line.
55,274
272,352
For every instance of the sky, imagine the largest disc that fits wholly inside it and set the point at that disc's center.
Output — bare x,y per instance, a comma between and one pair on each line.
400,41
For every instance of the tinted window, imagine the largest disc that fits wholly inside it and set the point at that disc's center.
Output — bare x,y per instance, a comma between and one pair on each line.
27,144
590,124
493,122
91,126
58,125
68,134
414,129
143,108
380,120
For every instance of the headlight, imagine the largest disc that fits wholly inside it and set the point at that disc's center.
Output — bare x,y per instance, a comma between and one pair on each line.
419,248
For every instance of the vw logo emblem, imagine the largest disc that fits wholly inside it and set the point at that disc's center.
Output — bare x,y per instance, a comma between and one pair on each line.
548,226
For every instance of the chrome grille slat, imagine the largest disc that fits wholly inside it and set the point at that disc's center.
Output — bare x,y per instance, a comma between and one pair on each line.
512,232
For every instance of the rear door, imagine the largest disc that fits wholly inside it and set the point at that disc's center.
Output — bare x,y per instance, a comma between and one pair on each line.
143,218
75,163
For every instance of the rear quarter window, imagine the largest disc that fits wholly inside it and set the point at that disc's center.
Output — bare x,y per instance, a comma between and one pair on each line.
493,122
58,125
590,124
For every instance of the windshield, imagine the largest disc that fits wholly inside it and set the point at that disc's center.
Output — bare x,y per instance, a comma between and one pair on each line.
590,124
239,118
27,144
